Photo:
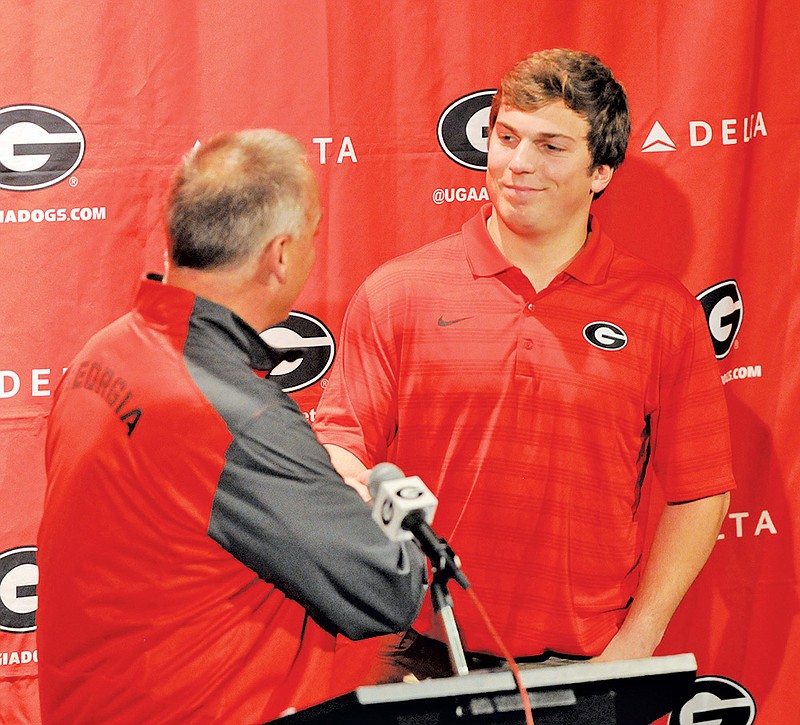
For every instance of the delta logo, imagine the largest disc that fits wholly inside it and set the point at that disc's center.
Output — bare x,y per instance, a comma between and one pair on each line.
727,131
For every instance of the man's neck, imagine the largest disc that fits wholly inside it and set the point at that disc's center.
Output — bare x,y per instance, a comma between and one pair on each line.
227,289
540,257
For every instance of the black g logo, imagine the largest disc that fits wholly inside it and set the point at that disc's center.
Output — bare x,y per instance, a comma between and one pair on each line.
722,304
410,492
38,147
716,700
387,510
605,335
314,343
463,129
19,577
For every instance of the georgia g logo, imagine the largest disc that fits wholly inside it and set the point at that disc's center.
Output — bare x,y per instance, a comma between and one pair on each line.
38,147
716,700
463,129
19,577
722,304
314,341
387,510
605,335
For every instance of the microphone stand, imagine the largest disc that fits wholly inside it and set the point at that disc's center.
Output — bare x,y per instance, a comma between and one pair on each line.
445,566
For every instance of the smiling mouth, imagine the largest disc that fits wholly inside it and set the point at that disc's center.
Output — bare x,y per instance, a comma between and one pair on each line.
522,189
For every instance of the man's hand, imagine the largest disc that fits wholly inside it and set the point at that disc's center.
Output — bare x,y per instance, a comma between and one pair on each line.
351,469
359,483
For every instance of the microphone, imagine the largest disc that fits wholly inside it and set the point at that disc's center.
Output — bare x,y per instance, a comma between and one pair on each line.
400,503
404,509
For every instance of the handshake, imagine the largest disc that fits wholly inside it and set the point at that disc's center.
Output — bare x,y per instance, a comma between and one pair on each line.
403,508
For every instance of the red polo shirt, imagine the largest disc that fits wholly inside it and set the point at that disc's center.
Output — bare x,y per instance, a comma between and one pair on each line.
538,419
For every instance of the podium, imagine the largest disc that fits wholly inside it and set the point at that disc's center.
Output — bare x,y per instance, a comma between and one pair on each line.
626,692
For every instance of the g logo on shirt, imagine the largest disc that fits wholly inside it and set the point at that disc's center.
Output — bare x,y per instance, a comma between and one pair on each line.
38,147
314,342
19,577
463,129
718,700
605,335
722,304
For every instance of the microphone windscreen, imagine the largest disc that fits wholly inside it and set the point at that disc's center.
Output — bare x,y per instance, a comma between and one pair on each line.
381,473
398,501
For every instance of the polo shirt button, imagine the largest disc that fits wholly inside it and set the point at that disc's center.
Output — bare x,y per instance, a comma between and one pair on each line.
530,307
528,345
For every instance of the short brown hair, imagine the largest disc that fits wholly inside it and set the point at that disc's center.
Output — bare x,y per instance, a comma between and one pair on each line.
584,84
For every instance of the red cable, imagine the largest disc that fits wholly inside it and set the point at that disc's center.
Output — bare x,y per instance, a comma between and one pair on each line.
526,703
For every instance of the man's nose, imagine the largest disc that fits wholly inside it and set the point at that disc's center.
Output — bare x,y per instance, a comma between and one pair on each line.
526,158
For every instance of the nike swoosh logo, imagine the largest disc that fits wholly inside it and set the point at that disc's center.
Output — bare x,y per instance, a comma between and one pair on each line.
444,323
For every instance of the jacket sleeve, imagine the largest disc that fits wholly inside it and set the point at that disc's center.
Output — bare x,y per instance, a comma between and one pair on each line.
281,509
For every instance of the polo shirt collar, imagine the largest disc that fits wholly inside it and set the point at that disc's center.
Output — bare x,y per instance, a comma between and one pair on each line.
485,259
592,264
483,256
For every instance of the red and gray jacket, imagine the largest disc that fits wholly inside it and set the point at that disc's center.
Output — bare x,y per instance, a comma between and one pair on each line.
198,552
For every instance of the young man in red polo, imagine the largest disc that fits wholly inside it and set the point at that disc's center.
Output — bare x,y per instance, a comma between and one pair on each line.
538,378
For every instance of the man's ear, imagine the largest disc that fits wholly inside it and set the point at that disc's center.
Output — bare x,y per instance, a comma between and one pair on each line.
273,261
601,177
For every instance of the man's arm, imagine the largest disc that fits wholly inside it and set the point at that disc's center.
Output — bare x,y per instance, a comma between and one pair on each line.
357,416
283,511
346,464
684,538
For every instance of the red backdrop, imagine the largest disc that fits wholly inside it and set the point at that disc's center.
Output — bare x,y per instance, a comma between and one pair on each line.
100,100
